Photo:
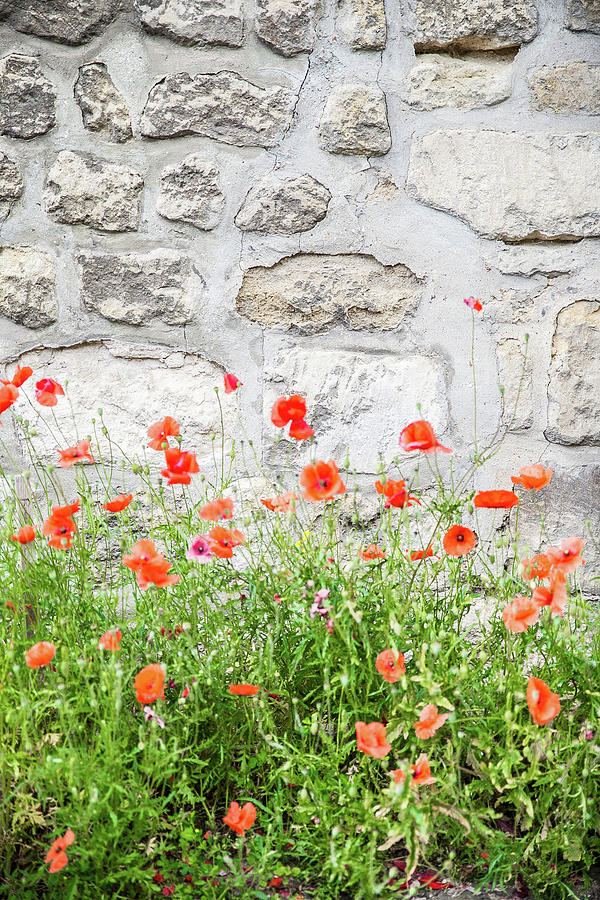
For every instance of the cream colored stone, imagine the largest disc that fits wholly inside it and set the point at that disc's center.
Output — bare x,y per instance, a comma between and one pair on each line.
103,109
438,80
283,205
571,88
27,286
515,376
474,24
204,22
583,15
191,192
286,26
355,121
362,23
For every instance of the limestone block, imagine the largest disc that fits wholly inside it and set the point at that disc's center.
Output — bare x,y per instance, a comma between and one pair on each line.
437,80
27,97
515,375
103,109
355,121
65,21
286,26
310,293
362,23
474,24
27,286
11,185
191,192
583,15
572,88
283,205
204,22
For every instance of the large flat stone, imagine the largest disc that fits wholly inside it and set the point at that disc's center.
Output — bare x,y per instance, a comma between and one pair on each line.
355,121
204,22
571,88
515,376
437,80
11,185
474,24
65,21
511,185
286,26
583,15
223,106
191,192
27,286
85,190
103,109
574,386
283,205
310,293
27,97
362,23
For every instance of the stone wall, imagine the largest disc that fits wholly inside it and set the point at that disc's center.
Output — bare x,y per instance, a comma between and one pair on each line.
302,193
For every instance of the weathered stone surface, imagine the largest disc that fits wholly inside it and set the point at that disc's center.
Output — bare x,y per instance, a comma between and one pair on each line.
84,190
515,375
511,185
207,22
191,192
137,287
66,21
27,98
362,23
27,286
312,292
103,109
357,401
583,15
11,185
572,88
283,205
574,386
355,121
286,26
223,106
474,24
438,80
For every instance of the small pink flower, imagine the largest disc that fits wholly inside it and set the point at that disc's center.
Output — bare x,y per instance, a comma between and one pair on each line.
473,303
329,625
150,714
199,549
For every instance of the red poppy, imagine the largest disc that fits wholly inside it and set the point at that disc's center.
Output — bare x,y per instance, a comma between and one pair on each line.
421,554
421,772
543,704
21,375
59,526
537,567
390,665
419,435
473,303
56,855
25,535
40,654
232,383
520,614
161,431
221,508
149,566
223,540
568,557
321,481
429,721
300,430
285,503
459,540
47,392
395,493
75,454
372,552
181,465
110,640
533,477
149,683
244,690
288,409
495,500
8,395
120,503
554,596
240,820
372,739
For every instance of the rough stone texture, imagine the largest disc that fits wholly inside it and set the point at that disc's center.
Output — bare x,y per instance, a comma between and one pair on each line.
510,185
223,106
27,97
438,80
572,88
138,287
474,24
103,109
84,190
311,293
27,286
191,192
11,185
515,375
362,23
66,21
205,22
286,26
583,15
283,205
574,386
355,121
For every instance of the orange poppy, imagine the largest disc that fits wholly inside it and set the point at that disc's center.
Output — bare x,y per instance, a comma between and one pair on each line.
40,654
110,640
372,552
161,431
421,554
25,535
240,820
223,540
459,540
56,855
300,430
533,477
390,665
429,721
59,526
420,436
395,493
149,683
75,454
520,614
47,392
180,466
568,557
321,481
543,704
372,739
232,383
120,503
495,500
537,567
8,395
21,375
221,508
421,772
244,690
554,596
149,566
288,409
285,503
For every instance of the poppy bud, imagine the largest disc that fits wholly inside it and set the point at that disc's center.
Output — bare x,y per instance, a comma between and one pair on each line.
99,410
508,715
470,509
